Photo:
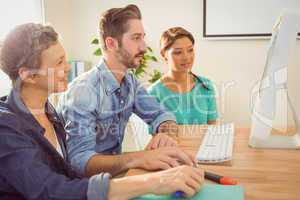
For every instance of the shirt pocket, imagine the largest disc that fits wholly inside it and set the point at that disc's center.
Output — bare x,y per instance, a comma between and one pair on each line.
107,132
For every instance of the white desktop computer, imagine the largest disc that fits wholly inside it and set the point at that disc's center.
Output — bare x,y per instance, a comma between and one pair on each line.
273,105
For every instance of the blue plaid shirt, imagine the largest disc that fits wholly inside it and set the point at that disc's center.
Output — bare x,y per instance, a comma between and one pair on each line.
96,109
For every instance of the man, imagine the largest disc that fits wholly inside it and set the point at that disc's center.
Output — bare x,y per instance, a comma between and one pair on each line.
98,104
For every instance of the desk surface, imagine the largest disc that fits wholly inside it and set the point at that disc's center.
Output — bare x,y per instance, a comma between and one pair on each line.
265,174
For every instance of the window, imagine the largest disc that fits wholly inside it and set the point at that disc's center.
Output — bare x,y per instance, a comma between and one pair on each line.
14,12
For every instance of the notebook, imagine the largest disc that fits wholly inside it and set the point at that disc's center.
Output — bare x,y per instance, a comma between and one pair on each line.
208,192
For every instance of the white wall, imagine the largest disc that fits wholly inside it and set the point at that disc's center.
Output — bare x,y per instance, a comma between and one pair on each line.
9,19
237,61
5,84
59,13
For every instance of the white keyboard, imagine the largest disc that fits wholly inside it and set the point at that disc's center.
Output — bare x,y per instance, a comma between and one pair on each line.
217,144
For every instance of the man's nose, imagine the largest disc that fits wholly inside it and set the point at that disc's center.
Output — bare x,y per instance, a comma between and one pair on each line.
143,46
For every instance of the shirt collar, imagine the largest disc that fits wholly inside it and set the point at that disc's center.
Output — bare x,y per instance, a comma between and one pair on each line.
17,105
110,83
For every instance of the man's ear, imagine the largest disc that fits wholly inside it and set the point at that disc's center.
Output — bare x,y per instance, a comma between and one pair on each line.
111,43
26,75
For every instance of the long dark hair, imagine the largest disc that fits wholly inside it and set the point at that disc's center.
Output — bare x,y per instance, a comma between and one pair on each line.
200,81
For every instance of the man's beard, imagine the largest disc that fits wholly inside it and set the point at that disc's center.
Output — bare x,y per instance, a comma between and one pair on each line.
127,59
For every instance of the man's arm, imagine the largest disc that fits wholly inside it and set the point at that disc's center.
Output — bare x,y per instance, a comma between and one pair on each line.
113,164
162,122
162,158
167,135
149,109
77,107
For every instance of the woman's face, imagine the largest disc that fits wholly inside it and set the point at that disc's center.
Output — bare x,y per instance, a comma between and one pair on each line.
53,73
180,56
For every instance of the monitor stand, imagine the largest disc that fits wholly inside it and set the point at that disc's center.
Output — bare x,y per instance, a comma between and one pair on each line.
263,135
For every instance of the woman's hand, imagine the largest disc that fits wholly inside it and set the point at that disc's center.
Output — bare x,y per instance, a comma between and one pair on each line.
184,178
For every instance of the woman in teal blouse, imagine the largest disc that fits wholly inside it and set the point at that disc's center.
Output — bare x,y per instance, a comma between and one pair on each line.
191,98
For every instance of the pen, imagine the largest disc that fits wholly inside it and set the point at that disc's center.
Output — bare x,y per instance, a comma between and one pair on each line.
213,177
178,194
220,179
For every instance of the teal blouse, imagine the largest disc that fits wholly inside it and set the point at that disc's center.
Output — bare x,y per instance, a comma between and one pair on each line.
197,106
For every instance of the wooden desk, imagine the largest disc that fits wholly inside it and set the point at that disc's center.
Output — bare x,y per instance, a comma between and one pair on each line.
265,174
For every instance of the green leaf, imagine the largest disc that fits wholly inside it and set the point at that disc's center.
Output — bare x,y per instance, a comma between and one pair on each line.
155,76
95,41
98,52
139,71
147,57
149,49
153,58
142,67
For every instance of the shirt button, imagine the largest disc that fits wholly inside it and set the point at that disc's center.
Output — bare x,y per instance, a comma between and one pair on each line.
118,92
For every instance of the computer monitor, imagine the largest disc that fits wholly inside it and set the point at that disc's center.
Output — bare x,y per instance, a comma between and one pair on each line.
271,124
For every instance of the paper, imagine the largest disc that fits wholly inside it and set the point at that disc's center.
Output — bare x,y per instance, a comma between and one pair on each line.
208,192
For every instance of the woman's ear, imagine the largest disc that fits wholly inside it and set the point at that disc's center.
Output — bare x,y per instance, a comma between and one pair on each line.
26,75
163,55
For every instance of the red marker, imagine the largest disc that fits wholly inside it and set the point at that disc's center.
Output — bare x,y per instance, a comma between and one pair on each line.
213,177
220,179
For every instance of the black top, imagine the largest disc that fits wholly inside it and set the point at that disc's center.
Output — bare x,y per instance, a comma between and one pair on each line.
30,167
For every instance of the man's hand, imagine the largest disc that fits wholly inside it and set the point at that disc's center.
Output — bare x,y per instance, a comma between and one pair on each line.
163,158
169,127
167,132
161,140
